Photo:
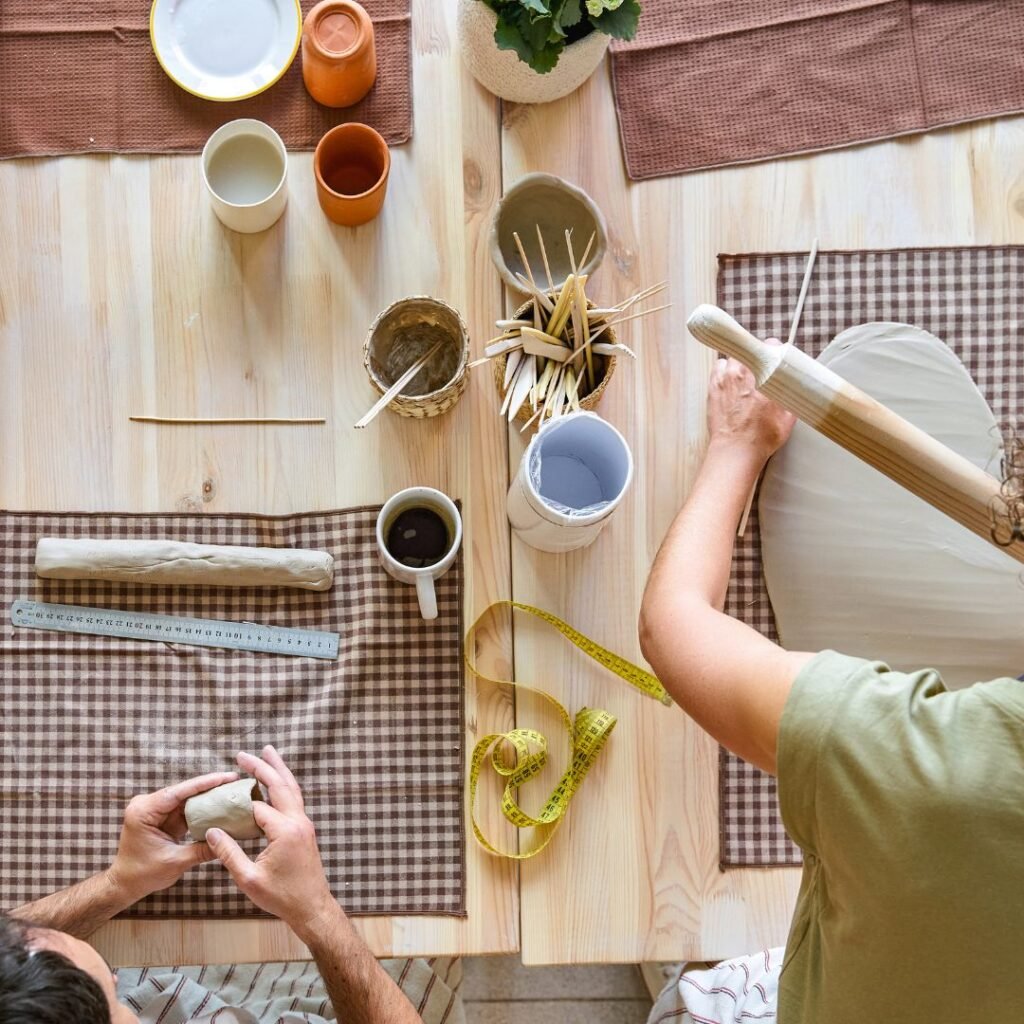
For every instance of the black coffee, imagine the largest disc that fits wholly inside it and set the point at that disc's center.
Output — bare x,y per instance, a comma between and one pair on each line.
417,538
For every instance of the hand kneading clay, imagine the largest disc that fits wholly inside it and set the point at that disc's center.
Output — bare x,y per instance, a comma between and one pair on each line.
228,807
173,562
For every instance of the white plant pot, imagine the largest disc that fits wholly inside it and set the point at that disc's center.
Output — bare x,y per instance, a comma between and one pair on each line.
504,74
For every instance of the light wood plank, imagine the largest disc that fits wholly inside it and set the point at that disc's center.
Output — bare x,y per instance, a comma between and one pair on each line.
121,292
634,873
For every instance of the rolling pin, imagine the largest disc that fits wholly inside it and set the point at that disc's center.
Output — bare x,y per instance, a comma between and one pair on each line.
864,427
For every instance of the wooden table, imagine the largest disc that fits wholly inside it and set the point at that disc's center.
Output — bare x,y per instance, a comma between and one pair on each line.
120,293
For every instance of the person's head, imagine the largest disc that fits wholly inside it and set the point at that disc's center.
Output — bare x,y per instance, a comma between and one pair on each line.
49,977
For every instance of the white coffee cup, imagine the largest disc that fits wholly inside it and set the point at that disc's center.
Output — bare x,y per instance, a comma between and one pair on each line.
422,578
572,477
245,165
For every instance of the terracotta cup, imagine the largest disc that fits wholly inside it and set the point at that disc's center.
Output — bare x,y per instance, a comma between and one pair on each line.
351,164
339,59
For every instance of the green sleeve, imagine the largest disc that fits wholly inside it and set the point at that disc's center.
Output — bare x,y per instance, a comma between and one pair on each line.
821,692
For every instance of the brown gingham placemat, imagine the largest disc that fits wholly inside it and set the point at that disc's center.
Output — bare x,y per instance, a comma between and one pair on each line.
80,76
374,738
709,83
971,298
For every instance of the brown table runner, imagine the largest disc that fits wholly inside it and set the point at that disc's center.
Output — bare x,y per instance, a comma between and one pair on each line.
971,298
374,738
709,83
79,76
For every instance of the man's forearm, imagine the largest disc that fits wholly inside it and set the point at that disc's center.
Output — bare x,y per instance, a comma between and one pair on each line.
360,990
696,555
80,910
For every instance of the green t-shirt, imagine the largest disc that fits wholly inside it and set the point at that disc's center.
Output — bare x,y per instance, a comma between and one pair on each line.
908,802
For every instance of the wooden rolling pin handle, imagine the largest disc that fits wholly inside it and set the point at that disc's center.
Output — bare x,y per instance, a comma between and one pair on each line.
716,329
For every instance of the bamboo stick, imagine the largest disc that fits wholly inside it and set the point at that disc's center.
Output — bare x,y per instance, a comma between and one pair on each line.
544,258
224,420
793,324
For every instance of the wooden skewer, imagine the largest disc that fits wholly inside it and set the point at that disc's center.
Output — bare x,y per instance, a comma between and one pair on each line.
581,299
402,381
586,252
803,293
290,420
546,304
625,319
530,422
794,323
544,257
645,293
537,293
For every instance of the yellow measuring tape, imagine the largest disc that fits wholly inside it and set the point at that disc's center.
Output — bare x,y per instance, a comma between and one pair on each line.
588,733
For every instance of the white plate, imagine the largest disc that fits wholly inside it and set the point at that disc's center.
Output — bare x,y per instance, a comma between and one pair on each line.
225,49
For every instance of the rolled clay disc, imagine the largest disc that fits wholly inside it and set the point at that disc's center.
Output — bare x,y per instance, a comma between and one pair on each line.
855,563
228,807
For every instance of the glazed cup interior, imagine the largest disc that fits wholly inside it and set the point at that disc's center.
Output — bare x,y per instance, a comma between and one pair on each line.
351,161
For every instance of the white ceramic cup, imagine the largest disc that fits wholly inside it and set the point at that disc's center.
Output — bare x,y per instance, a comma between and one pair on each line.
421,578
572,477
245,165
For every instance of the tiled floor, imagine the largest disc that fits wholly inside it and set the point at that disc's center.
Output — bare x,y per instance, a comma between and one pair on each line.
499,990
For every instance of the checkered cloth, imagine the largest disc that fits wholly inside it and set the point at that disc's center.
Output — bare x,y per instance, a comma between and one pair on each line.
375,738
971,298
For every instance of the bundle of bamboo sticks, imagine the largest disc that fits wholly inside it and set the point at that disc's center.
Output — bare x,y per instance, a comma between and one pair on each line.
550,355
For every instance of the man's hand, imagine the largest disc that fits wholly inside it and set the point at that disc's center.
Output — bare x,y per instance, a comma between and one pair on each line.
150,854
738,413
287,878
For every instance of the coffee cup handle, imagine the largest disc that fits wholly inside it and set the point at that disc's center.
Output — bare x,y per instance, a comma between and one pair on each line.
427,597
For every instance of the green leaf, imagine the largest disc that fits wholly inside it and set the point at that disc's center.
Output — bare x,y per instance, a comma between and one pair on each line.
540,7
508,37
536,31
620,23
571,13
544,60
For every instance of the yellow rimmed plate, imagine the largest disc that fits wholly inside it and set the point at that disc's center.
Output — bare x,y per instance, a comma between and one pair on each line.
225,49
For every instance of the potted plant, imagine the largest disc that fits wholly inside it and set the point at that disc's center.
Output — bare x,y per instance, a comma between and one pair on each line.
535,51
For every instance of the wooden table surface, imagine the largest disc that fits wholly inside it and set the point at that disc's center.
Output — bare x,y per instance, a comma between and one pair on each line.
120,293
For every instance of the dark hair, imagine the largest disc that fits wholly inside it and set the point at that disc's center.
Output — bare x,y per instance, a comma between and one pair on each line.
42,986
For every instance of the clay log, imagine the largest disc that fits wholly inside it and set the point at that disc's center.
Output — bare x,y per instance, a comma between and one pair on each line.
168,562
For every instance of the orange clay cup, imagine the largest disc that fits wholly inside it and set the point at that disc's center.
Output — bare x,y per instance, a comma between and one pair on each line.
339,59
351,164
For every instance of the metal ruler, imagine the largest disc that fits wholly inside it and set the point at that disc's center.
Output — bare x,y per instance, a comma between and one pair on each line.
175,629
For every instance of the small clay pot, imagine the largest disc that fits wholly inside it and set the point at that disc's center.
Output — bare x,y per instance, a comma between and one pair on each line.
351,165
554,205
399,336
339,58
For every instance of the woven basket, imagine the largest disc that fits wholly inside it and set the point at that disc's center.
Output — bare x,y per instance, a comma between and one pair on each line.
504,74
406,329
604,366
